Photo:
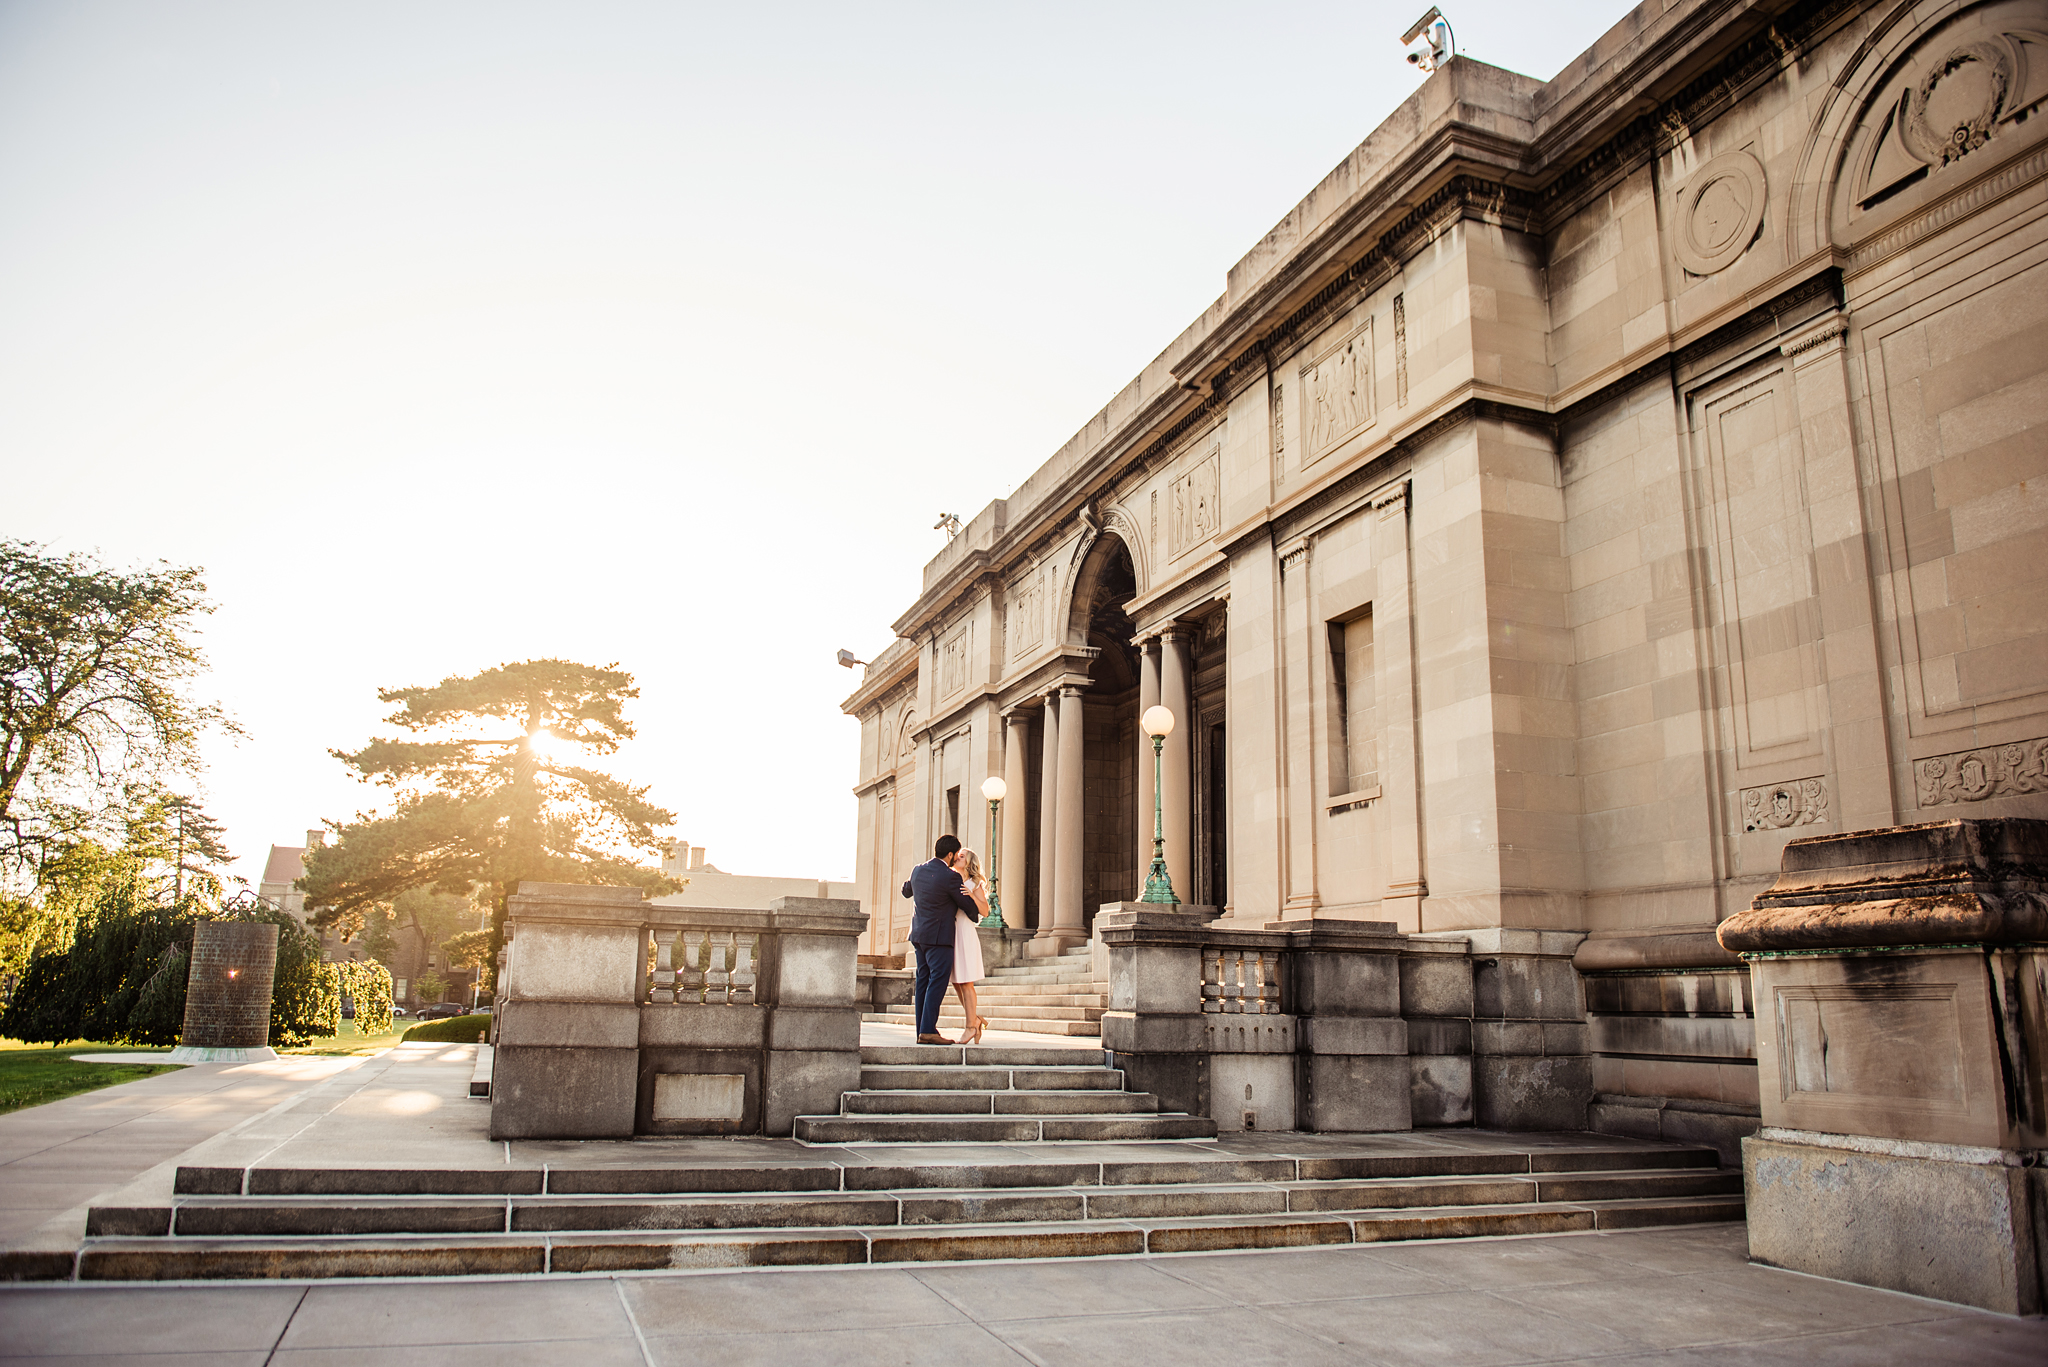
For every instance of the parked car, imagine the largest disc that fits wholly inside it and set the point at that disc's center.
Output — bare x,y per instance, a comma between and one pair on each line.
442,1011
397,1012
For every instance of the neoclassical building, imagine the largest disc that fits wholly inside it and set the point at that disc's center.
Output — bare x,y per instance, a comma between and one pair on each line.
1588,487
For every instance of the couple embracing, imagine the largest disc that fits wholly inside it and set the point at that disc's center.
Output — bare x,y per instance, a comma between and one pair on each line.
950,896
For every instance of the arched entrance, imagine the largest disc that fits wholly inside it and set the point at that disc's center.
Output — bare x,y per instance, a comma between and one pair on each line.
1103,588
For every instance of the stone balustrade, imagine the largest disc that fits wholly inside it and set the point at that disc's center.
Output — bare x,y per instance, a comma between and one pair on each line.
618,1016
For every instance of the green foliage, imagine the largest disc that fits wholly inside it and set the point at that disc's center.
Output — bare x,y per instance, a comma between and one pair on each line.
121,976
429,987
454,1030
497,807
379,938
470,949
95,672
305,999
368,986
170,829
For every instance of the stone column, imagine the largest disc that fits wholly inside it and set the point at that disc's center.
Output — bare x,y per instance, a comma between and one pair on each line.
1016,872
1176,697
1296,748
1394,663
1068,920
227,993
1148,696
1048,811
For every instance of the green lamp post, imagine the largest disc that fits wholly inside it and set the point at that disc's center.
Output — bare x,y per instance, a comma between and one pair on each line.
1158,724
994,789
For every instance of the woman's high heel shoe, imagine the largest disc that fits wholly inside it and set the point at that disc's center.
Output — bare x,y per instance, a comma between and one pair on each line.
972,1034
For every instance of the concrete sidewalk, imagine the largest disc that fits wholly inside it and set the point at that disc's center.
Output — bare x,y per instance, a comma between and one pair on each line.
57,1156
1682,1296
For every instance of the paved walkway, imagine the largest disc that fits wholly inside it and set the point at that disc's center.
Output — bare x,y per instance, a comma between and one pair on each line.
57,1156
1683,1296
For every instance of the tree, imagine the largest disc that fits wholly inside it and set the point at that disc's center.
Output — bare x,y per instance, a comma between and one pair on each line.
95,672
169,828
489,797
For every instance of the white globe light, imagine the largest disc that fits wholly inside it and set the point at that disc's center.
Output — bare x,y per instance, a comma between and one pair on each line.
1157,721
994,789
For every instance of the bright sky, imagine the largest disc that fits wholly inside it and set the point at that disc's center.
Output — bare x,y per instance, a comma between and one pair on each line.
447,334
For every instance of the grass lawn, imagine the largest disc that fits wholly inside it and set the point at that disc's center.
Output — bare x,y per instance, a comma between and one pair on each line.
31,1074
353,1041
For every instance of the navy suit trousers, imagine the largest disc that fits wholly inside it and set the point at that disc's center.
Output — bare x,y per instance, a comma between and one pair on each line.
928,991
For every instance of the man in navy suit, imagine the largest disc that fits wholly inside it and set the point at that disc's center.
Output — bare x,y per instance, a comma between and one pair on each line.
935,888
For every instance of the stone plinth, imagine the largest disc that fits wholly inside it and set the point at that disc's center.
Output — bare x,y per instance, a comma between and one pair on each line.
227,993
1900,977
620,1016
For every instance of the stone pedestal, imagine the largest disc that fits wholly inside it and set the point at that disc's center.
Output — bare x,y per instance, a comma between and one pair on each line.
1900,977
749,1020
227,993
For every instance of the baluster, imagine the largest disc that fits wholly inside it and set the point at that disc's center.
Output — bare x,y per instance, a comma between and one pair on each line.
1269,984
1212,979
693,971
1233,982
717,975
664,967
743,969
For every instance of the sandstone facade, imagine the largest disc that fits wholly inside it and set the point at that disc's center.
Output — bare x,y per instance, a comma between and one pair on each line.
1590,486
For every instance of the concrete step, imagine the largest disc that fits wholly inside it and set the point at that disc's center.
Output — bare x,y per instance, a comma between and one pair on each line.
957,1102
330,1216
986,1129
1071,1029
982,1055
907,1078
926,1236
1022,1010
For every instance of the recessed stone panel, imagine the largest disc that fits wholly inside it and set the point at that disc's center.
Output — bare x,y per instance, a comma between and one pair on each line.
699,1096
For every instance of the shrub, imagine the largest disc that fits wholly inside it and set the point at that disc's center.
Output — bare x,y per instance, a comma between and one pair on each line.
454,1030
368,985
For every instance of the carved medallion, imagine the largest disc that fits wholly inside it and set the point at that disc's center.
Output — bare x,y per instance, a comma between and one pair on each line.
1719,212
1802,802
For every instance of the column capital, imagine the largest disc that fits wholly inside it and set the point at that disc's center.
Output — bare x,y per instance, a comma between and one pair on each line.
1816,339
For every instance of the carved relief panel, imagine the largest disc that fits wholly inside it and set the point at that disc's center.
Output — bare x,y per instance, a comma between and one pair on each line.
1978,775
1025,618
953,653
1336,393
1194,512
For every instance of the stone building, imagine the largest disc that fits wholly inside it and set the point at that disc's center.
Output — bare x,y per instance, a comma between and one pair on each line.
1588,487
707,885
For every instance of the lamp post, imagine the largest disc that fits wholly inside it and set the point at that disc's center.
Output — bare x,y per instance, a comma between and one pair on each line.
994,789
1158,724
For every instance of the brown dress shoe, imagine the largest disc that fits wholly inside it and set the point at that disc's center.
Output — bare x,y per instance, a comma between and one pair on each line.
933,1039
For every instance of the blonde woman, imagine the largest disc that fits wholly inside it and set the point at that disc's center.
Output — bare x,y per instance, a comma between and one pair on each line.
967,967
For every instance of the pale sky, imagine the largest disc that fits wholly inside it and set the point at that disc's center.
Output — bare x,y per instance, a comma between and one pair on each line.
448,334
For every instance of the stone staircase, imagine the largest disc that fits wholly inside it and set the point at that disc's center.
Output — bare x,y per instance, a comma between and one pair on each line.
656,1204
992,1094
1052,996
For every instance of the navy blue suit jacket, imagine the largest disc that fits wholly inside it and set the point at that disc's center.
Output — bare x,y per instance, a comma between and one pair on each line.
936,892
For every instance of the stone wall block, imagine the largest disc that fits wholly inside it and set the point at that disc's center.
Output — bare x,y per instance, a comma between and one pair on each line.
1355,1035
555,1025
1352,1093
1436,985
562,1093
1518,1092
814,970
1336,983
1155,978
806,1082
1439,1037
1252,1091
814,1028
1179,1080
1526,987
1124,1032
1440,1089
1927,1224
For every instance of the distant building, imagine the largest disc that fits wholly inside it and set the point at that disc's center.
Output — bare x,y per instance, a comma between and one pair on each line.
412,959
711,886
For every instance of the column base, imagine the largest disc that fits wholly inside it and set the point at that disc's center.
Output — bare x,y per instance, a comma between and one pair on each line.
1935,1220
1049,944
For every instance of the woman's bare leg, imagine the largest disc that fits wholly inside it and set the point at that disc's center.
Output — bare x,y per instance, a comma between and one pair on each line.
966,993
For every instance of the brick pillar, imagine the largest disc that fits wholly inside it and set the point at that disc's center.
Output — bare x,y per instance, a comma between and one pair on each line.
227,995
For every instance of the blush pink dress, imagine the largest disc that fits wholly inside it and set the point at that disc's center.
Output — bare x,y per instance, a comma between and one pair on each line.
967,967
